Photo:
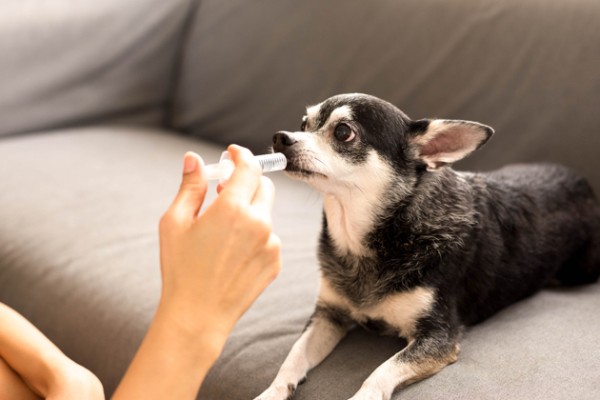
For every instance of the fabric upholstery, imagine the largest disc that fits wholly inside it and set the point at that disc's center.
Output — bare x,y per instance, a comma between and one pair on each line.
70,62
527,68
79,207
79,244
78,253
79,258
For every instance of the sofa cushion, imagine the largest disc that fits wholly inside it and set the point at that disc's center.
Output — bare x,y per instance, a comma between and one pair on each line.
527,68
79,258
79,216
65,62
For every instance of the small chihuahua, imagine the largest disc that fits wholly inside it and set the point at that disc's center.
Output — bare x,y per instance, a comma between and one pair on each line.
410,247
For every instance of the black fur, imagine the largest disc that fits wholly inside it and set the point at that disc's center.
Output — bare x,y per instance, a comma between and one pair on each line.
486,242
482,241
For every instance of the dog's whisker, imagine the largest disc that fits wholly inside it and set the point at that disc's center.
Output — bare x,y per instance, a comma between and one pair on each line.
320,161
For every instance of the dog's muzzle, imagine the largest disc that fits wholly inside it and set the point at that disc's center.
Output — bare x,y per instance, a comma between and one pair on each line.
282,140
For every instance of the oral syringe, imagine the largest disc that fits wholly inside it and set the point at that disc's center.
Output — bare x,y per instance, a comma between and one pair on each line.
224,169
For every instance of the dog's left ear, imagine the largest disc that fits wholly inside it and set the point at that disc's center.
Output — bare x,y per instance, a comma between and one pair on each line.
440,142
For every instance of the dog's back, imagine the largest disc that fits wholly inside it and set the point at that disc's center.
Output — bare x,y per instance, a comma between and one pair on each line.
537,224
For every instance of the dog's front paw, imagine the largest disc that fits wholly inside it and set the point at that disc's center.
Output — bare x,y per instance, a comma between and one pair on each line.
369,394
278,393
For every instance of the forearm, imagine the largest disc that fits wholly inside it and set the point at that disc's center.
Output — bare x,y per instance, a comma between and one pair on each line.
12,386
40,364
172,360
28,352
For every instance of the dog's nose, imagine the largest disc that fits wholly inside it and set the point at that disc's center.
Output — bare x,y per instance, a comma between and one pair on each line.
282,139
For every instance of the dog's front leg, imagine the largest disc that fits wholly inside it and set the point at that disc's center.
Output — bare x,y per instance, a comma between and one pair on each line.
323,332
422,358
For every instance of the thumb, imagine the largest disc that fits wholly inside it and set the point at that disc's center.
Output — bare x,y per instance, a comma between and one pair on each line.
192,191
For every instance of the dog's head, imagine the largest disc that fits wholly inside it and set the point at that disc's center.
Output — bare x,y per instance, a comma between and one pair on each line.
357,141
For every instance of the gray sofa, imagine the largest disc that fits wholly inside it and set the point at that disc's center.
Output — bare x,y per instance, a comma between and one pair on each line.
100,100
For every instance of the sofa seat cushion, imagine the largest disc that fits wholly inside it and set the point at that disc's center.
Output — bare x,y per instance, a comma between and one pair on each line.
79,216
79,213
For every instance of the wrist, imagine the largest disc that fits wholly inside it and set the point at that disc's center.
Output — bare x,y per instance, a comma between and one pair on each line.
179,349
199,334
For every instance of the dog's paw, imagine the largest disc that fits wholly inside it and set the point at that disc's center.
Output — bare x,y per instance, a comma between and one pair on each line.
278,393
369,394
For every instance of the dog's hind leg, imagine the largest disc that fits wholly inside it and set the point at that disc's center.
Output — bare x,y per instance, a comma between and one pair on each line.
591,264
422,358
323,332
584,265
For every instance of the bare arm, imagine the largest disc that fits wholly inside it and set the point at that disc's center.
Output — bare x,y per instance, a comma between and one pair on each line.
12,386
214,265
30,361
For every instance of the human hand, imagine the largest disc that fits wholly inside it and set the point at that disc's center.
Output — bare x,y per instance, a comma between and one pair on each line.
214,265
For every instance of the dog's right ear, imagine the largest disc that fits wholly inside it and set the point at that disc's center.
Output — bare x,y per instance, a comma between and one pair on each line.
440,142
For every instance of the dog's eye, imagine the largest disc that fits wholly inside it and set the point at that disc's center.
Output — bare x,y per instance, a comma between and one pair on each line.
303,124
343,133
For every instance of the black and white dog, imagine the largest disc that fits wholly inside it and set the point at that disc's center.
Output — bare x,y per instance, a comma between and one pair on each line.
411,247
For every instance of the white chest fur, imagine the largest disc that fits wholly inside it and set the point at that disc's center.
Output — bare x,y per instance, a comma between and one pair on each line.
352,207
399,310
348,222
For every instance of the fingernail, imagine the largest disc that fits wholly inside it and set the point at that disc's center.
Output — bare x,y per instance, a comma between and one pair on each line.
190,163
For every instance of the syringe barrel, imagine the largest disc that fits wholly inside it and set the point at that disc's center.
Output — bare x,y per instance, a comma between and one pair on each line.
272,162
268,163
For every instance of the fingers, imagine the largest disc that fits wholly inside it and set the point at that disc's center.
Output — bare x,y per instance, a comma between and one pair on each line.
273,258
265,268
245,179
264,198
247,183
192,191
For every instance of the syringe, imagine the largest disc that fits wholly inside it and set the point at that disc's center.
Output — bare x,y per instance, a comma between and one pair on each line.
225,167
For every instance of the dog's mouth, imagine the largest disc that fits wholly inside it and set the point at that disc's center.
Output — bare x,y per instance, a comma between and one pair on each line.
302,172
296,169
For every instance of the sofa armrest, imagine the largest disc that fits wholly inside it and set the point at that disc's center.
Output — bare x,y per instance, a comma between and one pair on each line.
66,62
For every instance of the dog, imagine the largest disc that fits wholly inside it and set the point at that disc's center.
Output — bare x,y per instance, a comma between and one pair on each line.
412,248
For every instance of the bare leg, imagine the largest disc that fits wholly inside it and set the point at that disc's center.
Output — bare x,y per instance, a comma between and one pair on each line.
324,331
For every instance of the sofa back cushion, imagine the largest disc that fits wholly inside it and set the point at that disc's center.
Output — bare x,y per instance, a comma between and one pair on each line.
527,68
65,62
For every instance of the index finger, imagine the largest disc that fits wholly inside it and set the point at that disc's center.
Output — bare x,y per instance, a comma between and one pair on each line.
245,179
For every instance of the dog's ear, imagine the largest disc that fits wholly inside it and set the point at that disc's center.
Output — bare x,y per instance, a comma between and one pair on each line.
440,142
